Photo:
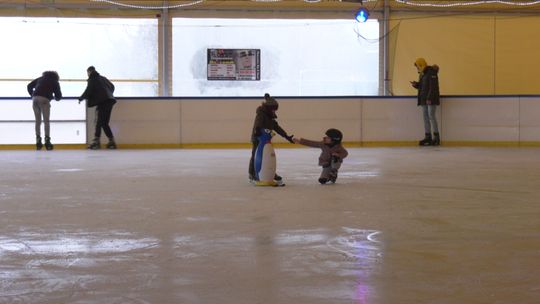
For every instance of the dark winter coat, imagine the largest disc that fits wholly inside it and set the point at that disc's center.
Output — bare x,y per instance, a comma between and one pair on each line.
428,86
265,119
326,151
45,86
99,90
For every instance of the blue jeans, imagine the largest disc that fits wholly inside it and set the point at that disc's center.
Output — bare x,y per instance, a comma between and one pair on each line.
430,119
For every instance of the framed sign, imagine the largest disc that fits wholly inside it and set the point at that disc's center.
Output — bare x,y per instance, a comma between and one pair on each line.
234,64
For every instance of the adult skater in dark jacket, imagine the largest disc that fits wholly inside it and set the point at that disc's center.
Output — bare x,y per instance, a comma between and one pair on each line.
265,119
42,90
99,92
428,98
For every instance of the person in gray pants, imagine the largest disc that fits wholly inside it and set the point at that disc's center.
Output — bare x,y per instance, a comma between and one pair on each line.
428,98
42,90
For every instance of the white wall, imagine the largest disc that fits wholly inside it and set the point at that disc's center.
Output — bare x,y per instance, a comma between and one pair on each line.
386,120
291,52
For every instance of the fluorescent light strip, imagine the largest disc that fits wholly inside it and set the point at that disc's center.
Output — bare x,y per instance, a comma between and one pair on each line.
308,1
149,7
406,2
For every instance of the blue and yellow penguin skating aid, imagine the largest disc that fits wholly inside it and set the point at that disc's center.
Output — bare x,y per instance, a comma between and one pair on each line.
265,161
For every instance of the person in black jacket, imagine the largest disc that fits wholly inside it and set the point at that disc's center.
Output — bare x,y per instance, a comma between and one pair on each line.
428,98
99,92
42,90
265,119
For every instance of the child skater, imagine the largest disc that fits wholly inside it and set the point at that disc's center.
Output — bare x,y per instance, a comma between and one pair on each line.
332,154
265,119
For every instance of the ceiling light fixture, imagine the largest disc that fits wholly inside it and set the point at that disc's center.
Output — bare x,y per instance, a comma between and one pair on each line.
467,3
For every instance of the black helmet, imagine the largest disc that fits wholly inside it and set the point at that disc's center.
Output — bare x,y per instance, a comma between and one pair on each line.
335,135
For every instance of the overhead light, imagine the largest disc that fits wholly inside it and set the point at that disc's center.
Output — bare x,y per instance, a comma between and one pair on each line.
362,15
468,3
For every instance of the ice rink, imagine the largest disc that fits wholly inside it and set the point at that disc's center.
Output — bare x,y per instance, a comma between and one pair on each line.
401,226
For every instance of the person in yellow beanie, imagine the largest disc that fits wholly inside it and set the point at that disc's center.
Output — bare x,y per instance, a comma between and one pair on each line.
428,98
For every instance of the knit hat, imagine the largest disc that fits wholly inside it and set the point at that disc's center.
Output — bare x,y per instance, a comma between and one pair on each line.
420,64
51,75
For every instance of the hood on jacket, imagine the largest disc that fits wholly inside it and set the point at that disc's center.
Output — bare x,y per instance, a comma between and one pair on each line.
432,68
420,65
266,111
93,74
51,75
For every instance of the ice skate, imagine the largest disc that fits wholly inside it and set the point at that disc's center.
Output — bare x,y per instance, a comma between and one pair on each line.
333,177
436,139
252,179
427,141
39,145
48,144
95,144
111,144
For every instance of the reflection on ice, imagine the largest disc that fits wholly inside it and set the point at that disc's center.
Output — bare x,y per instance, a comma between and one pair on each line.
53,267
358,174
74,243
356,243
372,237
300,237
362,293
59,261
69,170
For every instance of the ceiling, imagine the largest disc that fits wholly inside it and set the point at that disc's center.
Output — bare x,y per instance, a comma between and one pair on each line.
284,5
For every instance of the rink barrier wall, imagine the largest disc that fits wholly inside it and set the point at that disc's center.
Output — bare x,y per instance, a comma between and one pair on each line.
374,121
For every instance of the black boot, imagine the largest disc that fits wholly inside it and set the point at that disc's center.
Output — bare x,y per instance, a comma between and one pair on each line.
39,145
95,145
48,144
436,139
111,144
426,141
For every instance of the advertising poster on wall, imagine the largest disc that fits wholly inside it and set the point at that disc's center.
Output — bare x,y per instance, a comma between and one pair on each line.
234,64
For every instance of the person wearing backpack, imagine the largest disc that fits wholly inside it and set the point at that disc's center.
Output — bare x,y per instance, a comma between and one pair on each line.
99,93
